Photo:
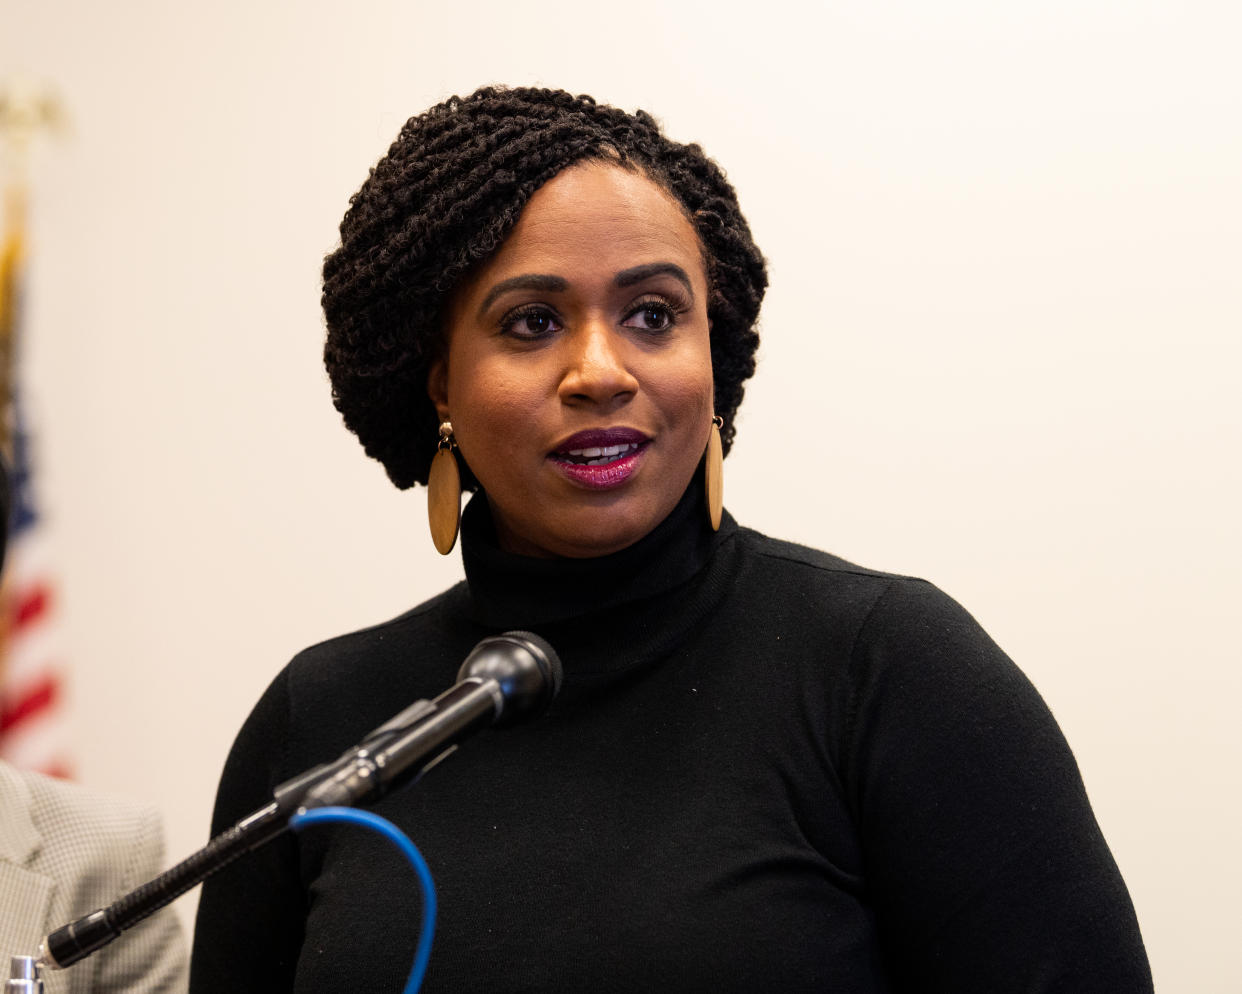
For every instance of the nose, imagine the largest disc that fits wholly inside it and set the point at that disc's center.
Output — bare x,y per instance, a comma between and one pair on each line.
595,370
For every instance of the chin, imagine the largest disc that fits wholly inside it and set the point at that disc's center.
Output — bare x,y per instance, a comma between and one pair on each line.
600,538
582,528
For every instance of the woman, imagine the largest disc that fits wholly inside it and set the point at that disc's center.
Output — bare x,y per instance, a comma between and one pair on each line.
767,767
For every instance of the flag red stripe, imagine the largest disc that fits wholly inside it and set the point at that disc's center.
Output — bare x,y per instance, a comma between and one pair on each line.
32,606
42,695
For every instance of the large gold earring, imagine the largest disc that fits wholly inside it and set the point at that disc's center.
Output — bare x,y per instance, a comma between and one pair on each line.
444,492
713,473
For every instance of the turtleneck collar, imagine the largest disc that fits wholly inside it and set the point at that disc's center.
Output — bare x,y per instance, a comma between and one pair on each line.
666,582
509,589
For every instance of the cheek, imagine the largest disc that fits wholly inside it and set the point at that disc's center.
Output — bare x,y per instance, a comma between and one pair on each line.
704,404
488,404
694,385
697,401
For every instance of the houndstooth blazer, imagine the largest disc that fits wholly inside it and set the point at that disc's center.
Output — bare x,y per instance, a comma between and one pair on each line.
66,851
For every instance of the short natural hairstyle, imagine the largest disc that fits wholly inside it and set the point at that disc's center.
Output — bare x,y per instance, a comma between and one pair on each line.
444,198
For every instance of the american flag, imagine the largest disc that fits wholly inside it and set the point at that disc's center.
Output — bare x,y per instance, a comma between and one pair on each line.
32,721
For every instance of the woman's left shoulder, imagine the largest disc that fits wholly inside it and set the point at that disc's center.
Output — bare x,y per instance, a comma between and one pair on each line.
823,574
781,555
890,616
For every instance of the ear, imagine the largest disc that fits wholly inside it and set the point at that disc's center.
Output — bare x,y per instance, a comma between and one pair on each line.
437,387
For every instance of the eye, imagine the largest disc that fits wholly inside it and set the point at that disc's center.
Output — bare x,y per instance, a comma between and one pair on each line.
533,321
651,315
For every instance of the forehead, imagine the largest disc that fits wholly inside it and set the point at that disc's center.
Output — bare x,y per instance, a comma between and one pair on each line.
597,217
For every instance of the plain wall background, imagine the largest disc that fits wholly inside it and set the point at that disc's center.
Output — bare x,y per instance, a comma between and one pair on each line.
1000,350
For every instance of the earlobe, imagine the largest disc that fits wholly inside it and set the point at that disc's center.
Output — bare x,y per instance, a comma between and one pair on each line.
437,387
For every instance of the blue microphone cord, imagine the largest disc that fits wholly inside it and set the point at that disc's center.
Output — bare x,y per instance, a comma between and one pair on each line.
402,841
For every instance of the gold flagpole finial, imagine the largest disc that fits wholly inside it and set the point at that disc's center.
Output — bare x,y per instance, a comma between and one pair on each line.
27,108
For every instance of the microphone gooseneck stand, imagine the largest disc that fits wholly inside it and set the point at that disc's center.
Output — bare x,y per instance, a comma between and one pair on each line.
504,679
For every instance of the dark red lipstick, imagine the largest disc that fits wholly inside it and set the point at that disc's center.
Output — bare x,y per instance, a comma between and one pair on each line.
600,458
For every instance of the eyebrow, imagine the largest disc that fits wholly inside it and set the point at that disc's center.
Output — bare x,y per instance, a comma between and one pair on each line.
636,274
527,281
558,284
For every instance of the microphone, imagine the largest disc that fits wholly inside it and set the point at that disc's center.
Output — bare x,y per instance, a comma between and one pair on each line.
504,679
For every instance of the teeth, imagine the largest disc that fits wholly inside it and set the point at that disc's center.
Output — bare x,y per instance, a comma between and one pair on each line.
608,450
595,455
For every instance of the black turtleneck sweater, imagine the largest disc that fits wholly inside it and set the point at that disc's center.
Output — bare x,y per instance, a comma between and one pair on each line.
768,769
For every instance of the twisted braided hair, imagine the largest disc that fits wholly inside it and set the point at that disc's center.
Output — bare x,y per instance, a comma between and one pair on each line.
443,199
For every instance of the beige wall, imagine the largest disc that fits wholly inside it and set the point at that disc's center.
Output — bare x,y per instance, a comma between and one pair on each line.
1001,350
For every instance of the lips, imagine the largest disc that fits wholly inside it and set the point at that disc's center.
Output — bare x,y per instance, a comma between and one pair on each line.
600,458
599,443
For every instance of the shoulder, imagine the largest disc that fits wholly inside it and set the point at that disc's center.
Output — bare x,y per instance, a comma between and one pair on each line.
780,560
875,601
885,634
801,557
381,644
376,652
111,840
335,690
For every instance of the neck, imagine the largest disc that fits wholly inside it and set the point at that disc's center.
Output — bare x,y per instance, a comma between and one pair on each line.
507,588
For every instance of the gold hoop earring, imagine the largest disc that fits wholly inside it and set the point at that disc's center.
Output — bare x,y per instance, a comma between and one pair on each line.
713,473
444,492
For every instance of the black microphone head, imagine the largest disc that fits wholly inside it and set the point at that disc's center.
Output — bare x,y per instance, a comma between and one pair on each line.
527,669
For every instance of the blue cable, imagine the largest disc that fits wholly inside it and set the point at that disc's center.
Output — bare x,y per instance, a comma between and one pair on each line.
386,828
